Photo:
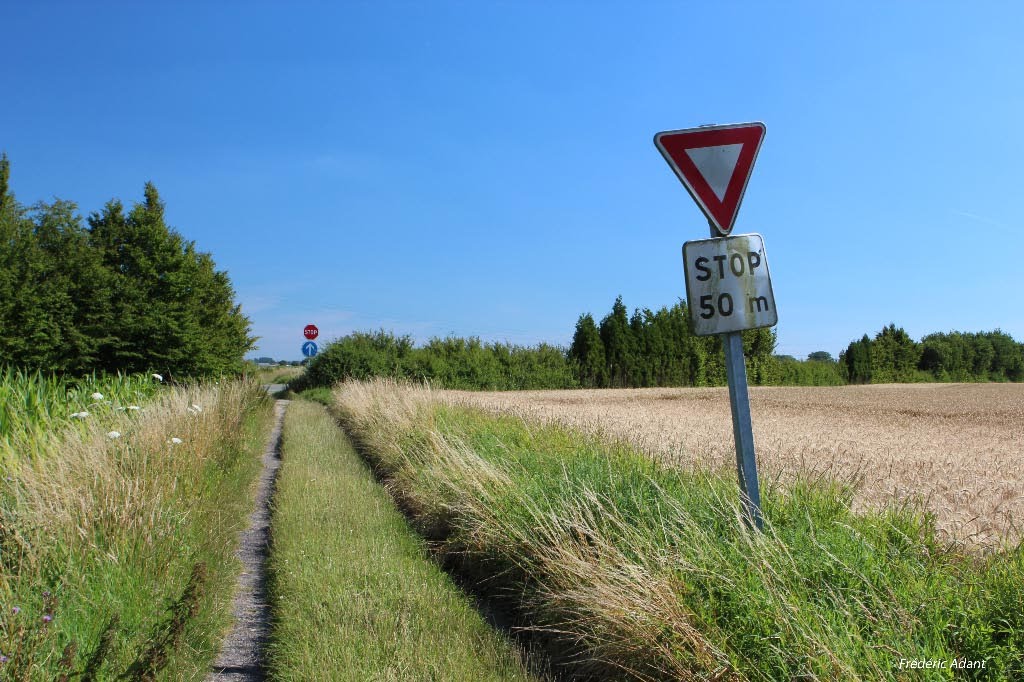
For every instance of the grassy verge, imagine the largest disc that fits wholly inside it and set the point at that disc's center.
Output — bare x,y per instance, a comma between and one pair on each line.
354,594
117,538
649,573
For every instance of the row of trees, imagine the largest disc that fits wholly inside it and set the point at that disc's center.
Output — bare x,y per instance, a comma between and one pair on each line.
892,356
646,348
122,293
659,349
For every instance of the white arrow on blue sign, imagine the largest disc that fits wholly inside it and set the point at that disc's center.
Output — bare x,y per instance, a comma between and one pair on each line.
309,349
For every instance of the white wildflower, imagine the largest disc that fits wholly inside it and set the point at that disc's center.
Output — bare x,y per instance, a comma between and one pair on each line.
175,441
97,396
114,434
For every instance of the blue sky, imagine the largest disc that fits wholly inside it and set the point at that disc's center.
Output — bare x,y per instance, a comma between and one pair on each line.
485,168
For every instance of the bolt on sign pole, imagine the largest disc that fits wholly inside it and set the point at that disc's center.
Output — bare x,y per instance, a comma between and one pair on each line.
728,287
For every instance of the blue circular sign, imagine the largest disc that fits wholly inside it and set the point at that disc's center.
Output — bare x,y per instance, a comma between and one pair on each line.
309,349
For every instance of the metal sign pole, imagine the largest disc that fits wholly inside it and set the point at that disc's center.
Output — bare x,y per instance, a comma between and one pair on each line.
746,464
742,430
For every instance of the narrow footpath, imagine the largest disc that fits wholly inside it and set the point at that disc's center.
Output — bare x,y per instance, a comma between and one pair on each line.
241,656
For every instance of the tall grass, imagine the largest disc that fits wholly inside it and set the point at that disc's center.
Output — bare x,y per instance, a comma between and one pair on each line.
34,406
640,571
117,537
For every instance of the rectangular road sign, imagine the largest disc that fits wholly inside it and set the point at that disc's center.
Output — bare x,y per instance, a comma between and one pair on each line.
728,287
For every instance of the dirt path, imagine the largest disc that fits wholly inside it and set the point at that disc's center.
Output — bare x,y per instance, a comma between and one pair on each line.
242,654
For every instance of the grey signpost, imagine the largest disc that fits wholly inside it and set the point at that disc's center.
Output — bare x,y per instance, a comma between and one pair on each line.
728,287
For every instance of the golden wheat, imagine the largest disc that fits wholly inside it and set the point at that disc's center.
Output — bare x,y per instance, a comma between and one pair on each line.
956,449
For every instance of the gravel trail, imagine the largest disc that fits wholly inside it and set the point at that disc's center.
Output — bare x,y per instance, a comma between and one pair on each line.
241,656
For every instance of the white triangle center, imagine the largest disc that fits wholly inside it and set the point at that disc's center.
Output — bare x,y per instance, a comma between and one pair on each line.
716,164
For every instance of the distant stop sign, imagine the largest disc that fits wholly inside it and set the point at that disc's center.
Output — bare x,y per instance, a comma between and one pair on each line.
311,332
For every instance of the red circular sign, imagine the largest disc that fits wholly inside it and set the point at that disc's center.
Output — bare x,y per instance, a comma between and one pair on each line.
311,332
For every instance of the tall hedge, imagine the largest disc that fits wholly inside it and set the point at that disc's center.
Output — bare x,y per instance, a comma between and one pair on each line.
450,363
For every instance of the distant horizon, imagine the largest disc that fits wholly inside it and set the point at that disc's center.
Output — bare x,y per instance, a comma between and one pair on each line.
252,355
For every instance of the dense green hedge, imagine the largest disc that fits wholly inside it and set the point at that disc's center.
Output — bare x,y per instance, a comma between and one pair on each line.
451,363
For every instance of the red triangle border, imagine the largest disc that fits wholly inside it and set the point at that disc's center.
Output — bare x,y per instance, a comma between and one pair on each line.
673,145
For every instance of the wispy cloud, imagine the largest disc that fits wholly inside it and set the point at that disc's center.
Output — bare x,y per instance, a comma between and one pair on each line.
979,218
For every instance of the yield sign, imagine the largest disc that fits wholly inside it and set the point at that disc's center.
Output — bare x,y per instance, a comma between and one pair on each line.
714,164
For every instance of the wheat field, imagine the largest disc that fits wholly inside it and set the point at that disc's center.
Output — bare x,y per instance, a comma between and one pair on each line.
957,449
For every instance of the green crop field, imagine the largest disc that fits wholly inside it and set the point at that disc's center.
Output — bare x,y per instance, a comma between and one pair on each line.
33,406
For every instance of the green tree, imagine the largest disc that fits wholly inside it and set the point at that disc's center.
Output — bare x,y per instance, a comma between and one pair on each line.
984,354
1007,357
619,345
858,361
894,356
587,353
645,353
666,364
170,308
77,299
24,325
41,279
689,353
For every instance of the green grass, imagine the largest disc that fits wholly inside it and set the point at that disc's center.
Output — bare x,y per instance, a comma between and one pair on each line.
318,395
34,406
638,568
354,593
277,375
128,543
